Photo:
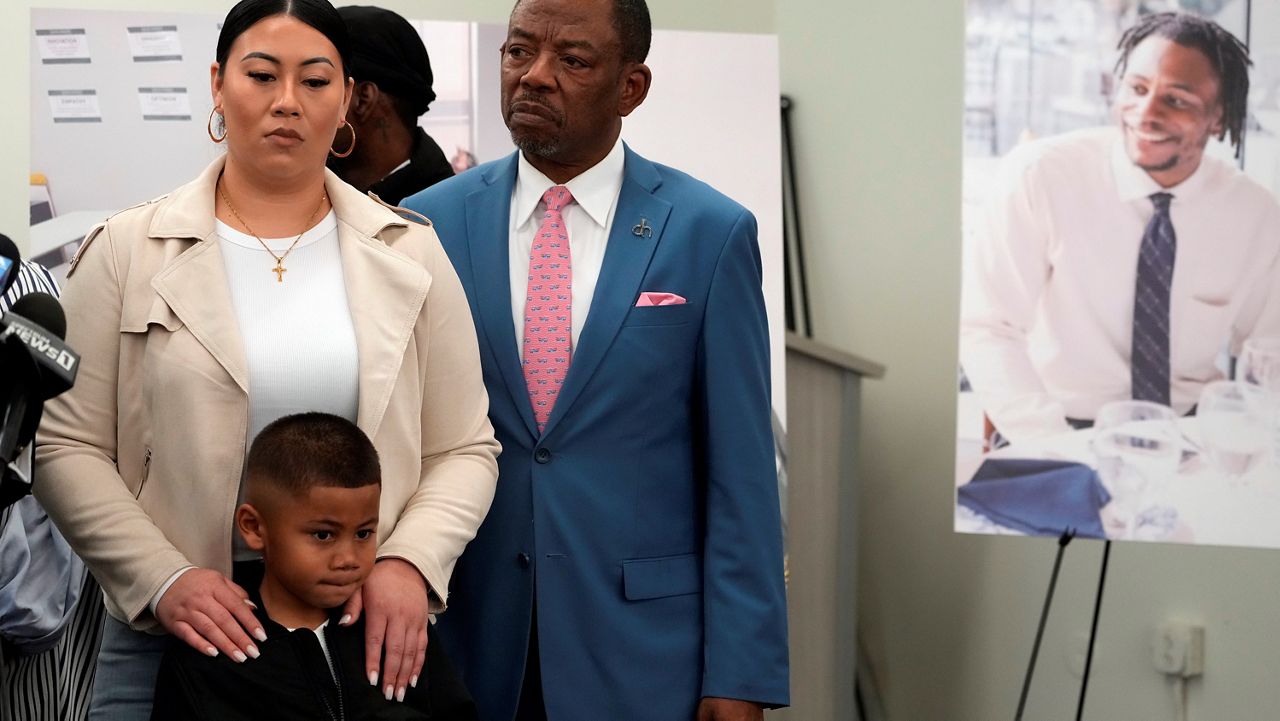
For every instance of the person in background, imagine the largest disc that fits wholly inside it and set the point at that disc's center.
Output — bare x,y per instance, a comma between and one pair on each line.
389,154
264,287
631,566
1119,263
45,594
463,160
311,509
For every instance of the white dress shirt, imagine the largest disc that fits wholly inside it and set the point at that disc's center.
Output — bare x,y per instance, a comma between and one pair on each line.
1047,310
587,220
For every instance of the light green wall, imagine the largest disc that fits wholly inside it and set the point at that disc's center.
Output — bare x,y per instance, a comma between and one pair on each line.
949,620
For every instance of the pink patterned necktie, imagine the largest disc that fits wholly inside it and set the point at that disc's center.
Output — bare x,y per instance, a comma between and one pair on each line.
548,323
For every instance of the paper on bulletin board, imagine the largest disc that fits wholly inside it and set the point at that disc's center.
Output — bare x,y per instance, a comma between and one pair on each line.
75,106
155,43
164,103
62,46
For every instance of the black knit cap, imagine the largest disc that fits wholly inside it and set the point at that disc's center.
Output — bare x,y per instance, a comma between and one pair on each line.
387,51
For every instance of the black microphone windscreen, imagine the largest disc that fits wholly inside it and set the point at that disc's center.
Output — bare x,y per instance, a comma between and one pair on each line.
43,309
10,262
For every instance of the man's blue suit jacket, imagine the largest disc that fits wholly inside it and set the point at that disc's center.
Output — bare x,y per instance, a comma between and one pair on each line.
645,519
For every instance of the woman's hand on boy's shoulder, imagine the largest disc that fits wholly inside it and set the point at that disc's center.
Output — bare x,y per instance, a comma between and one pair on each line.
210,613
394,600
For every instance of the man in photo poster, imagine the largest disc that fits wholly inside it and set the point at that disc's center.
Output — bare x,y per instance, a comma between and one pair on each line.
1123,263
630,568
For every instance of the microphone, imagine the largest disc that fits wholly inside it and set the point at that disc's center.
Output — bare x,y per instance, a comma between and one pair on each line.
10,263
35,365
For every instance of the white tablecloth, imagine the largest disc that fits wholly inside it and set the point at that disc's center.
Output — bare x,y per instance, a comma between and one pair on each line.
1208,507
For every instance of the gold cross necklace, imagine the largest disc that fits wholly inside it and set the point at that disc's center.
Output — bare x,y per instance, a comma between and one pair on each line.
279,270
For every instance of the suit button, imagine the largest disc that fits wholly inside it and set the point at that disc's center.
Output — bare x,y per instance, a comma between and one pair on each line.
522,559
542,455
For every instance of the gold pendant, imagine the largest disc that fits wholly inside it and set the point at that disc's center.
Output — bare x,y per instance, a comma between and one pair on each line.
279,270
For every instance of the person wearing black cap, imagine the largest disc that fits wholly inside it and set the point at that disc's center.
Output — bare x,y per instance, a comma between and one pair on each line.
389,154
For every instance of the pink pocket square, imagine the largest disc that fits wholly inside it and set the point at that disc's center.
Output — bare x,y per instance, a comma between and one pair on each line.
648,299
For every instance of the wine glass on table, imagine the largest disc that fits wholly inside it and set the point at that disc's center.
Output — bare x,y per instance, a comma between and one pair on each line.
1259,366
1235,427
1138,447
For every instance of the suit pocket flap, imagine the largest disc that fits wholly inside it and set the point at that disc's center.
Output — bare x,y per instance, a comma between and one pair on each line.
647,315
658,577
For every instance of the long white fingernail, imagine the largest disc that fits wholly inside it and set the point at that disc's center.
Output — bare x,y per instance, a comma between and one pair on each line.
400,694
373,678
413,680
346,619
240,657
211,650
259,634
253,651
390,692
250,604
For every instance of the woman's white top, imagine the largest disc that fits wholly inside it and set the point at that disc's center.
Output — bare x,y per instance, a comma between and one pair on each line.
299,342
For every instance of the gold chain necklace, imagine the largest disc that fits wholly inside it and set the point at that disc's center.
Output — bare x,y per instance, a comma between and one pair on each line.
279,270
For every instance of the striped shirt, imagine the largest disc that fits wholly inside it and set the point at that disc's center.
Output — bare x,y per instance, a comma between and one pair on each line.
32,278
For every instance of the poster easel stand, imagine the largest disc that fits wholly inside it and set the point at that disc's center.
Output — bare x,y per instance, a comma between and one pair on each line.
1093,629
1063,540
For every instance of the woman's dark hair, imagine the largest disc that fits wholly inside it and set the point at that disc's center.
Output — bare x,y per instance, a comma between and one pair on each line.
319,14
1228,56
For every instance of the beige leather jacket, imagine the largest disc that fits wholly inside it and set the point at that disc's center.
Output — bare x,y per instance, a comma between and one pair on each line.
139,464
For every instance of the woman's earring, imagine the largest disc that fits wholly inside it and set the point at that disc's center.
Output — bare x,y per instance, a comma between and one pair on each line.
351,147
222,125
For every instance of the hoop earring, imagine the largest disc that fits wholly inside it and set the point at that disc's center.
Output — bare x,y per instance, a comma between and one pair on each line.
213,137
351,147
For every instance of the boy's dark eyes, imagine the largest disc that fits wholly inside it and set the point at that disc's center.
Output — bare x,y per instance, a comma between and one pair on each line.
363,534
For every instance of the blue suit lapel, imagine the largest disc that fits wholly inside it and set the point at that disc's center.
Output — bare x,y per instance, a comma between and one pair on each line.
488,233
626,259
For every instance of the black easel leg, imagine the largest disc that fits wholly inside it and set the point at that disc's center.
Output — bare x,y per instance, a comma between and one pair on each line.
1063,540
1093,631
787,107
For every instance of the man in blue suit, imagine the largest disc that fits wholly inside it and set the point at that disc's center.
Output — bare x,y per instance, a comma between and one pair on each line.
630,568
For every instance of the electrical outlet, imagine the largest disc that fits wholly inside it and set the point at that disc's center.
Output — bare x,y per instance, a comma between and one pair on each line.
1178,649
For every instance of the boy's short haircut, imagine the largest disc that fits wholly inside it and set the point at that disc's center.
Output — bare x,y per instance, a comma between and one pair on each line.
299,452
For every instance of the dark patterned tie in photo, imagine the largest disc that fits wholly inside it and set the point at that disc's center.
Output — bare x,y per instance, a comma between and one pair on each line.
1149,365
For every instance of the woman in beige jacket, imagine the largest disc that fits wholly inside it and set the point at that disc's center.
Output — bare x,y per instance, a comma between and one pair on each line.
264,287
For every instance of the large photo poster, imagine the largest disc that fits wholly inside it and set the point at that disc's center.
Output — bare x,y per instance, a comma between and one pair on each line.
1120,320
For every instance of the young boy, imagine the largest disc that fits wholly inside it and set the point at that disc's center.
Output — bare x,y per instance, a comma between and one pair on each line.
313,482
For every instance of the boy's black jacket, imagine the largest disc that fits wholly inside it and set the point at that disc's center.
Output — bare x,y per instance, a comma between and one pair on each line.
287,681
